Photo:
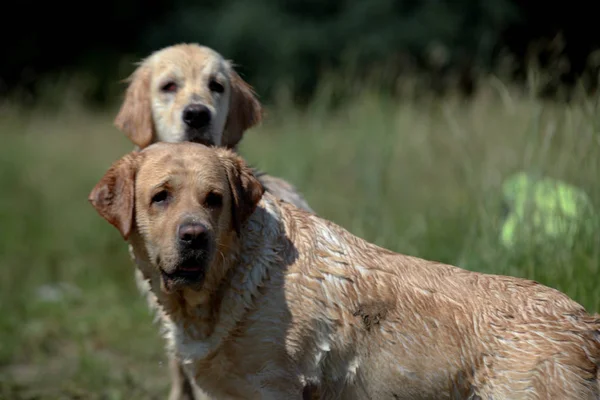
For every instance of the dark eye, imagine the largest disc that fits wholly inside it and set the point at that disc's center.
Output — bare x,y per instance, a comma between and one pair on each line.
213,200
215,86
169,87
160,197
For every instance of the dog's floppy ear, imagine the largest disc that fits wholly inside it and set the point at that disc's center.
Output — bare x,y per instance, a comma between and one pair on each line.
245,110
113,197
246,189
135,116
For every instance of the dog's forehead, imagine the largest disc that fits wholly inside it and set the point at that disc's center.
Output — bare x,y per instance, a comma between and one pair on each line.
163,160
189,57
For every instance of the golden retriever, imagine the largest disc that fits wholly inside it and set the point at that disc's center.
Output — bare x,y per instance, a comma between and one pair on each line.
189,92
261,298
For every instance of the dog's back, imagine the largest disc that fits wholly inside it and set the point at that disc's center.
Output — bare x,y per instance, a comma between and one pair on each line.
377,324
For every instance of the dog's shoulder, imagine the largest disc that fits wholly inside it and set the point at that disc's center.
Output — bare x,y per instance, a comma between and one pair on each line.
282,189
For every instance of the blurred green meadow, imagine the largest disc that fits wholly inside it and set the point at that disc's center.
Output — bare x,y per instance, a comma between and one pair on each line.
419,176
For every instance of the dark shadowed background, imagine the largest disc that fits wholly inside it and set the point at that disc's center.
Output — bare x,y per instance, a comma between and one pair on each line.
294,42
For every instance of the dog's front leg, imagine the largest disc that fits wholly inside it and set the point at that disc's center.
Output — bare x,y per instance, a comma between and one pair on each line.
182,387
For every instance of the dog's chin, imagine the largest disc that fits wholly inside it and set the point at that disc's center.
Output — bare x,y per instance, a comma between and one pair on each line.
199,136
189,273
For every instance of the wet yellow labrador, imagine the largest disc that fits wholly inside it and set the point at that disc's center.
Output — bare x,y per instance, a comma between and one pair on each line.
262,299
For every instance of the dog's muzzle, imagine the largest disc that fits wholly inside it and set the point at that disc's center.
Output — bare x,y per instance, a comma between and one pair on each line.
195,251
197,119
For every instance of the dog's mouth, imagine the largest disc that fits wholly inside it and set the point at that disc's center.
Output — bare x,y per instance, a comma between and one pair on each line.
201,136
190,272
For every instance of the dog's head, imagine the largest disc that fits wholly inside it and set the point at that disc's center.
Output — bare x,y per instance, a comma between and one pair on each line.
183,204
187,92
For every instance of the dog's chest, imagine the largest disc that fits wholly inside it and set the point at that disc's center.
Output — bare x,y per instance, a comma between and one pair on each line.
187,344
215,366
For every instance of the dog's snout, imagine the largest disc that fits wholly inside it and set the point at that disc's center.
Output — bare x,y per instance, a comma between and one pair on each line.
196,115
193,234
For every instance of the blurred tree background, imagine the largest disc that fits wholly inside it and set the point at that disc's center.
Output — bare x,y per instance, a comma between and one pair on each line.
295,42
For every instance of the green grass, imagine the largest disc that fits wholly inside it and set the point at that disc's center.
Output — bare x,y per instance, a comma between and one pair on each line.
419,177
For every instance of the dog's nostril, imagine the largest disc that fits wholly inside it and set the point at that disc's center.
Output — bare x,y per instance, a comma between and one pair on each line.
196,115
192,232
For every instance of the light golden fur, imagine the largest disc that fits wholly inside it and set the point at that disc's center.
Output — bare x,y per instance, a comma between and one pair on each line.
159,90
289,299
173,78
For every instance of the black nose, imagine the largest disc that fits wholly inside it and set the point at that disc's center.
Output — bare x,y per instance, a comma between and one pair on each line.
193,235
196,116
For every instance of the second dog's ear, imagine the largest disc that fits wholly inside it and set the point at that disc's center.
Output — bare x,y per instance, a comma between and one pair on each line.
245,111
113,196
135,116
246,190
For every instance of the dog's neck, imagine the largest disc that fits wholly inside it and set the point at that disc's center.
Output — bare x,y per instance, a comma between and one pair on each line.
212,312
